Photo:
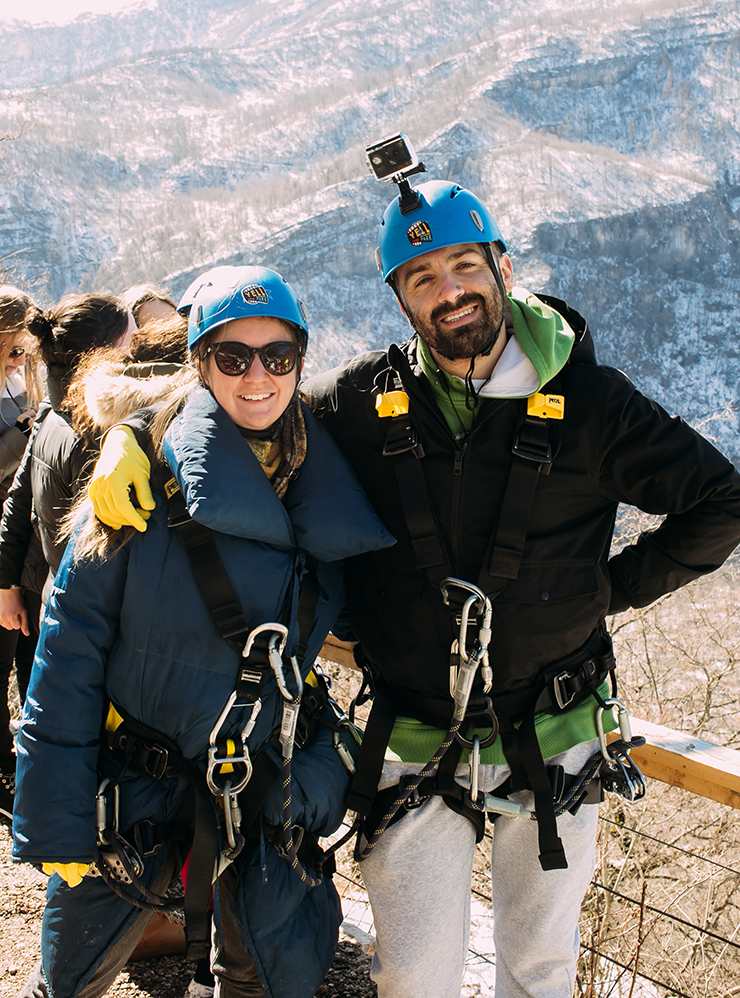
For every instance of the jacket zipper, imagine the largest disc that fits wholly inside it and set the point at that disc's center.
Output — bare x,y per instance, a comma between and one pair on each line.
457,471
460,449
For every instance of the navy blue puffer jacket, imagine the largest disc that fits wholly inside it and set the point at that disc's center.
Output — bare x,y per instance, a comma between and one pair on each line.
134,628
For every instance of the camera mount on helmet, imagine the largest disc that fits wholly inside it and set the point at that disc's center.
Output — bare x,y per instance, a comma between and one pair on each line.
394,159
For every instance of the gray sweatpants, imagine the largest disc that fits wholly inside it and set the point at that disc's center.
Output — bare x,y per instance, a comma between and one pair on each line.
418,880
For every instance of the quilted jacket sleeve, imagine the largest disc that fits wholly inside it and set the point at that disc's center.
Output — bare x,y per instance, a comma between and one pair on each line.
59,736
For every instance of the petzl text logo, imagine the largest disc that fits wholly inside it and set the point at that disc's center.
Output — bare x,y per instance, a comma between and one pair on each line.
419,233
255,294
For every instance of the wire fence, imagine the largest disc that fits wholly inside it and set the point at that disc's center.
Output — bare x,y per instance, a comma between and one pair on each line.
631,944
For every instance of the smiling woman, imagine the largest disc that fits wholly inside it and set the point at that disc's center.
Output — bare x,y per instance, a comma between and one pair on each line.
256,504
254,393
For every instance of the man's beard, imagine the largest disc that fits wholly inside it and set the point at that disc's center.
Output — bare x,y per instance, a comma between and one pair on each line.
467,341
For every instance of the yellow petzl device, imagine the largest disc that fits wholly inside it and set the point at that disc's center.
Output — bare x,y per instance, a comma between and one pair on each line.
392,404
546,406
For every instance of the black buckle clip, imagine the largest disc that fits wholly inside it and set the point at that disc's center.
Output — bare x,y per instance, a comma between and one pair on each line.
156,761
562,698
533,453
402,444
414,799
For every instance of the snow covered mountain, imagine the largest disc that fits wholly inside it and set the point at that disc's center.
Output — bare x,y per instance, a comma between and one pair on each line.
180,134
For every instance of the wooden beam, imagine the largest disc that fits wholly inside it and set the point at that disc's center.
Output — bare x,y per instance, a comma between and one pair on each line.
672,757
338,651
681,760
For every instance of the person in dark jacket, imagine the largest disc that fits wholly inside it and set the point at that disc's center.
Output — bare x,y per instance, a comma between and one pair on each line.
58,460
17,413
497,451
130,638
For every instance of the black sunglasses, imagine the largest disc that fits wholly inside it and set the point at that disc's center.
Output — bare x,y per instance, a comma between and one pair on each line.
16,352
234,359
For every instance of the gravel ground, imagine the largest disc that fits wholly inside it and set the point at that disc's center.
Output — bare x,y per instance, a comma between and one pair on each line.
22,891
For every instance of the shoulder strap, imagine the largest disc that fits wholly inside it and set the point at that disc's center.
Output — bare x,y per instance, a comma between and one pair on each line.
209,571
403,445
532,457
219,596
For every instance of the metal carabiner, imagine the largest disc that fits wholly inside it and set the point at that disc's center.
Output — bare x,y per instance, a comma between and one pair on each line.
219,760
341,749
484,612
276,664
232,814
474,761
279,629
101,811
623,718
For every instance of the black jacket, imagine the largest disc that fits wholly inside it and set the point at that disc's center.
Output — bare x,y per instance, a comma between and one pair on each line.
57,463
614,445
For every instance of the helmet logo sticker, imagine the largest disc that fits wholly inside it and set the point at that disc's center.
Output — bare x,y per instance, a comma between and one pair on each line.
419,233
478,221
255,294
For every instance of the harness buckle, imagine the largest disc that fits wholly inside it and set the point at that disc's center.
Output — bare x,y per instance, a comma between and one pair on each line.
532,450
157,761
562,698
414,799
402,438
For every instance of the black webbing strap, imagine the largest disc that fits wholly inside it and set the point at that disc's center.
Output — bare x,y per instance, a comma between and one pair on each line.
375,740
264,773
528,770
308,600
210,574
402,444
201,869
532,457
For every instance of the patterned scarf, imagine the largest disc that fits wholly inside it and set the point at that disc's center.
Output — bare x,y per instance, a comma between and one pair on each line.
282,457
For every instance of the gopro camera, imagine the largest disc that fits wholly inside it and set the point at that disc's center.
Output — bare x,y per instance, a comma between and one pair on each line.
392,158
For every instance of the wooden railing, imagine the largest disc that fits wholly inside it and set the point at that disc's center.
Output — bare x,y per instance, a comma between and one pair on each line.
669,756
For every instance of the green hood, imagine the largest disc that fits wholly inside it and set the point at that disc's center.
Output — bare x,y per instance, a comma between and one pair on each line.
541,332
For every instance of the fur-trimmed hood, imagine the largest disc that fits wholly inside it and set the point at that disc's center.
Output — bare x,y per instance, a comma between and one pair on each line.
114,390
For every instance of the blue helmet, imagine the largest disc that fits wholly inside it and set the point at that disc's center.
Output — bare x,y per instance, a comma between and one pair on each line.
448,215
186,302
227,293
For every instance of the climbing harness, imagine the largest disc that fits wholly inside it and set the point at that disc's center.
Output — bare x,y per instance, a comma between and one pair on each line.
467,659
219,798
566,683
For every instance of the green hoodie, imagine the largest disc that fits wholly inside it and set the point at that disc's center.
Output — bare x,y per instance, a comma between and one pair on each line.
540,331
546,340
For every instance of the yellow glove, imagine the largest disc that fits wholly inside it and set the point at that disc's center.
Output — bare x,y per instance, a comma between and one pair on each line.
122,463
71,872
